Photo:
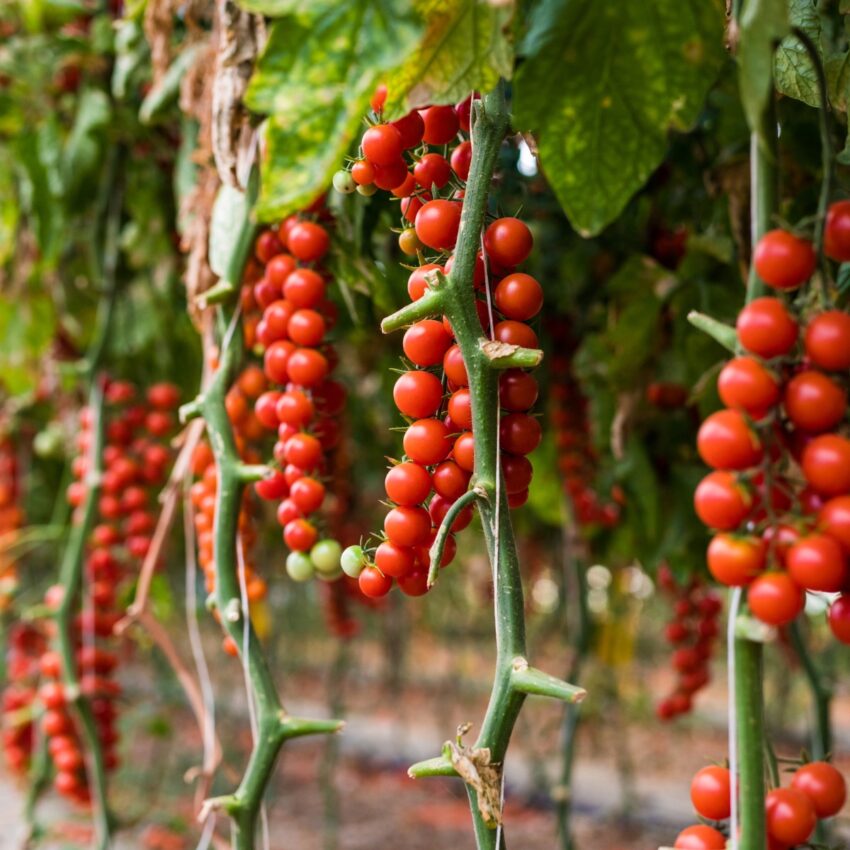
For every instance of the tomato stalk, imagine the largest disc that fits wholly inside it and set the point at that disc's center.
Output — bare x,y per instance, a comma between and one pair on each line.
481,766
71,567
274,725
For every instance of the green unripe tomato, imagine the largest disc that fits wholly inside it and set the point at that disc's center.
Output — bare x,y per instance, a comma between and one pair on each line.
329,575
325,556
353,561
368,190
299,567
344,182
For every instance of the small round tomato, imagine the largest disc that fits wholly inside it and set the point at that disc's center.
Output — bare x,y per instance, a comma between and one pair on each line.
725,441
373,583
425,343
508,242
827,340
463,451
382,144
437,223
410,127
461,159
454,367
395,561
307,494
817,562
518,471
418,394
303,451
308,241
517,390
766,328
417,283
711,792
363,172
700,837
744,384
515,333
791,817
300,535
783,260
721,502
735,560
823,785
440,124
460,409
826,464
834,520
407,526
520,433
307,367
304,288
518,296
306,327
814,402
839,618
427,441
836,236
450,481
775,598
407,484
432,170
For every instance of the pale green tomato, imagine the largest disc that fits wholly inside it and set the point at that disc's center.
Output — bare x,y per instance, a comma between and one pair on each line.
344,182
325,556
367,191
299,566
353,561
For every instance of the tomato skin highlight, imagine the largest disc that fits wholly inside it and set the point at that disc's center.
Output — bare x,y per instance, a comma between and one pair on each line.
783,260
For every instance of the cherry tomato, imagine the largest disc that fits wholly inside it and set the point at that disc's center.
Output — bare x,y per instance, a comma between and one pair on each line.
382,144
409,242
839,618
836,236
515,333
300,535
306,327
295,408
518,296
392,175
307,367
460,409
363,172
454,367
721,502
418,394
775,598
814,402
790,815
410,127
461,159
735,560
437,223
407,526
439,507
784,261
415,583
304,288
463,451
417,284
308,241
273,487
395,561
518,471
268,244
700,837
450,481
827,340
307,494
817,562
834,519
517,390
823,785
508,242
303,451
440,125
826,464
725,441
373,583
766,328
744,384
427,441
426,342
520,433
407,484
432,170
379,97
711,793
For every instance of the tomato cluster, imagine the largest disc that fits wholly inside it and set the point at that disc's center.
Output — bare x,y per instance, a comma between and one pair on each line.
433,394
135,459
304,405
11,516
778,499
576,454
693,632
26,642
817,790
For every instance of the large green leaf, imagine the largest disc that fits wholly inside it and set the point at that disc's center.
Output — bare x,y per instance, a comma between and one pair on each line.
467,46
795,75
601,85
230,205
314,80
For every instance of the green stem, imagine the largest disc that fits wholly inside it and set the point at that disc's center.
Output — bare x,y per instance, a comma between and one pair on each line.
749,703
274,726
513,679
821,694
764,181
826,158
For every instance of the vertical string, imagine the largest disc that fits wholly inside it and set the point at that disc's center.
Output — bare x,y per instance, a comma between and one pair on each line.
734,607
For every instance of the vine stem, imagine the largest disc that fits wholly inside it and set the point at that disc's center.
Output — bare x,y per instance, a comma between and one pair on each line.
274,725
513,678
821,694
71,567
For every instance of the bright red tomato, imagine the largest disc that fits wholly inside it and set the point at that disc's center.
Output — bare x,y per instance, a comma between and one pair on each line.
304,288
306,327
839,618
814,402
407,526
775,598
463,451
425,343
307,494
700,837
393,560
711,793
725,441
827,340
411,127
824,785
308,241
790,815
432,170
836,236
784,261
450,481
307,367
440,124
508,242
373,583
418,394
437,223
382,144
427,441
515,333
721,502
454,366
817,562
518,296
300,535
826,464
461,159
735,560
765,327
834,519
460,409
407,484
744,384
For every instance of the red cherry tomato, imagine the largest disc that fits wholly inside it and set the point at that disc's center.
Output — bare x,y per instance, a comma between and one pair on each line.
839,618
300,535
826,464
735,560
834,519
817,562
418,394
450,481
711,793
373,583
823,785
308,241
700,837
744,384
304,288
382,144
765,327
725,441
461,159
508,242
827,340
425,343
836,237
517,390
791,817
518,296
437,223
440,125
407,484
814,402
407,526
784,261
393,560
410,127
427,441
775,598
432,170
721,502
520,433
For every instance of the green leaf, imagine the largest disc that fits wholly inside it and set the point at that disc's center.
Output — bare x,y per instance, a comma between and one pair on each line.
314,80
601,85
82,153
230,205
27,327
763,23
467,47
277,8
795,74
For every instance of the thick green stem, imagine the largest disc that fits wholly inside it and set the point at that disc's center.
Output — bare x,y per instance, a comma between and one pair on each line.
749,703
274,726
764,189
454,297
